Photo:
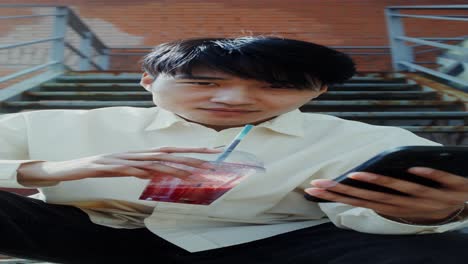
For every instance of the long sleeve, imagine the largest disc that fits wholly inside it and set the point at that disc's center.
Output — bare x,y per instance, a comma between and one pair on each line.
367,221
13,148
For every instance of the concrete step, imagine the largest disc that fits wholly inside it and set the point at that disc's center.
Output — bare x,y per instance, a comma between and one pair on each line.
91,87
436,129
132,86
365,79
382,105
375,87
119,76
401,115
113,78
314,106
144,95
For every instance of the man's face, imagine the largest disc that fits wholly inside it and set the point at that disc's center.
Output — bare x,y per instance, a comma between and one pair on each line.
219,100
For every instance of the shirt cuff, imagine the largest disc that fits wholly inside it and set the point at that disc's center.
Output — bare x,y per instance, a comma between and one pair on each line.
8,175
368,221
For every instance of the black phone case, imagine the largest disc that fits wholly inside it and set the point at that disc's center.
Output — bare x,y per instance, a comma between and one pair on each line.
395,163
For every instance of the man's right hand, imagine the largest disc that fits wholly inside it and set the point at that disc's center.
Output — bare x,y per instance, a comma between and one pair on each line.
143,164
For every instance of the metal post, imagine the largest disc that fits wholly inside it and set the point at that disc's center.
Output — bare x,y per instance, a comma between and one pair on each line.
58,46
103,59
400,51
86,51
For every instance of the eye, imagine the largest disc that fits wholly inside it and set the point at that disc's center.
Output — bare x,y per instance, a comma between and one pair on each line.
280,86
203,83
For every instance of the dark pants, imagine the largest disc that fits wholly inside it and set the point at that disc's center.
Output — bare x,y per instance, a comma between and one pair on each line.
64,234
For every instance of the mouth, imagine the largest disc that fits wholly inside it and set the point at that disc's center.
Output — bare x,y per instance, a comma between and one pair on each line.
224,110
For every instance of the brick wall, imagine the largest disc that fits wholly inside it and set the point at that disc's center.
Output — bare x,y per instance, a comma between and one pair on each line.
328,22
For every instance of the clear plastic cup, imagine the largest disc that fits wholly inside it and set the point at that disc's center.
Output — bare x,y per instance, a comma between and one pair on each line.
203,186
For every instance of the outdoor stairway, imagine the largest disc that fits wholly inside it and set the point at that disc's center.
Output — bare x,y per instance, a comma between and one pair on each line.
431,111
376,99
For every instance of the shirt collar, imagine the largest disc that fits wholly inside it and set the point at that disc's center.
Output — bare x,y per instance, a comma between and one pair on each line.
164,119
290,123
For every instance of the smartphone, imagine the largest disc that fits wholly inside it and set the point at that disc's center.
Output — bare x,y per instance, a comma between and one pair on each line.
395,163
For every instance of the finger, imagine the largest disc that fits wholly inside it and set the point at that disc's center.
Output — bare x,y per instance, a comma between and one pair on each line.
445,178
370,195
414,189
357,202
416,203
193,162
436,195
417,208
123,170
152,169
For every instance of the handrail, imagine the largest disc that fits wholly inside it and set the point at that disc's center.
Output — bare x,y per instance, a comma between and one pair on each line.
428,7
29,5
63,17
27,43
28,16
28,71
432,43
432,72
403,54
433,17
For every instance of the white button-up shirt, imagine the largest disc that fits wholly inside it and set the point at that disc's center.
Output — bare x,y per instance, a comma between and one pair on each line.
295,148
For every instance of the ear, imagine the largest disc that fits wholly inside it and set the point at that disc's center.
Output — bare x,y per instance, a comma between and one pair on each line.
323,89
146,81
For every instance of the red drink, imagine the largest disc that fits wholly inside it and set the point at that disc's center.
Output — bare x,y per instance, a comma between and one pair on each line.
184,194
202,187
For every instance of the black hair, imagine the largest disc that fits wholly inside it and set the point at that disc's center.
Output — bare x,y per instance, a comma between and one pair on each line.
288,62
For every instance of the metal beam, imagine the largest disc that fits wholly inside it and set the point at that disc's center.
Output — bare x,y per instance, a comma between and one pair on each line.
27,71
96,65
86,50
400,51
426,50
29,5
81,28
103,59
75,50
444,39
435,73
430,7
432,17
27,84
28,43
57,54
432,43
28,16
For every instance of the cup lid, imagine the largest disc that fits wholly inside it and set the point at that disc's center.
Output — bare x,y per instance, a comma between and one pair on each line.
236,157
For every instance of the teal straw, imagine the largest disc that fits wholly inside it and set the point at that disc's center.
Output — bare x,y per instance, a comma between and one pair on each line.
234,143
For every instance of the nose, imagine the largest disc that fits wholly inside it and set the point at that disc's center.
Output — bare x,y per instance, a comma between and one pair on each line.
239,95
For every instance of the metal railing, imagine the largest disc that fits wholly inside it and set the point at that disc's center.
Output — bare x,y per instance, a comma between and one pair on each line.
403,54
92,52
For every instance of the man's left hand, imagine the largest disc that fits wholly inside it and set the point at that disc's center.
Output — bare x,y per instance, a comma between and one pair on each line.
424,205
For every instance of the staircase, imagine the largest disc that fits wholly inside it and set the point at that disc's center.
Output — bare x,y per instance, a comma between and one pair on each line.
423,106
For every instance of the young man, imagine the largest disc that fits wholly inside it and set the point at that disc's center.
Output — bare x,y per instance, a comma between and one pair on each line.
91,167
